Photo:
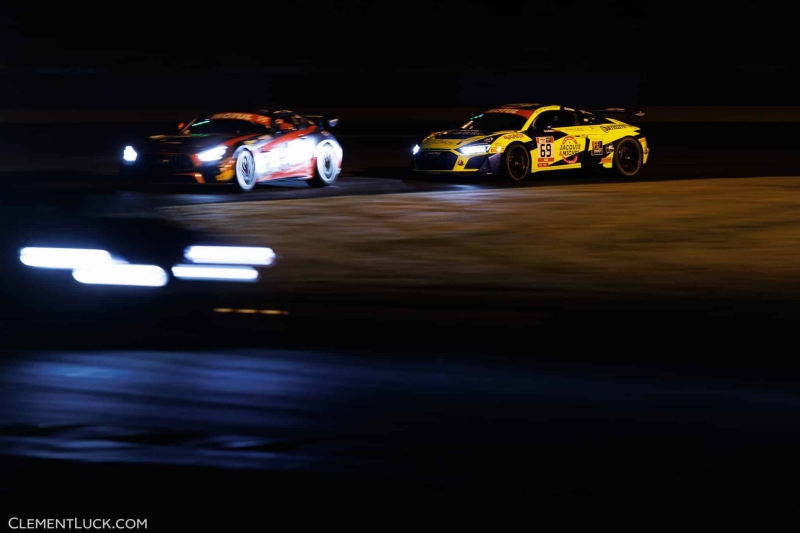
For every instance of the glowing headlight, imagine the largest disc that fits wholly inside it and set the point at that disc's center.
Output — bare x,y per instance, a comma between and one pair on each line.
415,149
215,154
475,149
129,154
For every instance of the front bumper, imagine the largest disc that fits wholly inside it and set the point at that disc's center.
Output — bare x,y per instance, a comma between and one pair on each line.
175,168
436,161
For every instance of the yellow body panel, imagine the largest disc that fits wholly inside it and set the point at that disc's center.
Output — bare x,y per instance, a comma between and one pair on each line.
550,149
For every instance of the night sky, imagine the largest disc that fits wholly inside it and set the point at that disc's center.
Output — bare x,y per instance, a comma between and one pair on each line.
436,53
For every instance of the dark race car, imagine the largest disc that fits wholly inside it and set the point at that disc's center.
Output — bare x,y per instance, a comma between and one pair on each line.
242,148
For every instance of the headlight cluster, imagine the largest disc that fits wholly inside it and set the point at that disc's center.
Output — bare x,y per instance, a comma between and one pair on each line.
475,149
215,154
129,154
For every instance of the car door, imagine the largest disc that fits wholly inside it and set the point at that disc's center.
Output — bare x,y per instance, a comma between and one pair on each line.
560,141
293,147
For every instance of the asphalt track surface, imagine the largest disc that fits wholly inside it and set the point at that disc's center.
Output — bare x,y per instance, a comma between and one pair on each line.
575,402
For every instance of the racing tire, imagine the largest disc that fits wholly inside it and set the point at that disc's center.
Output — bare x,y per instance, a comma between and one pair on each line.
245,171
516,162
326,166
628,157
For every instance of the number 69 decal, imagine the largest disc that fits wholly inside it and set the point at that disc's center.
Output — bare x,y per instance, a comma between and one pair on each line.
546,150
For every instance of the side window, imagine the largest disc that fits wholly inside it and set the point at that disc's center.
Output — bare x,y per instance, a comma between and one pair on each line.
586,119
555,119
302,122
545,120
285,122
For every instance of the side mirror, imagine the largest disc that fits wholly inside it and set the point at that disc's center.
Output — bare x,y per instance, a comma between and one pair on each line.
181,125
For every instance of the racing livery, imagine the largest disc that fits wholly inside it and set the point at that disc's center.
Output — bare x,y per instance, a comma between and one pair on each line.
243,148
516,140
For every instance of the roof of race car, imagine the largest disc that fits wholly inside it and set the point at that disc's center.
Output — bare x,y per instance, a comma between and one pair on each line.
522,106
248,111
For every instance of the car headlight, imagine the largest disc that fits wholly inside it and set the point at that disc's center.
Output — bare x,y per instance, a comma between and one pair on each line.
415,149
215,154
475,149
129,154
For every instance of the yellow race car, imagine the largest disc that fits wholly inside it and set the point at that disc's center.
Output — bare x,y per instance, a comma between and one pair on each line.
516,140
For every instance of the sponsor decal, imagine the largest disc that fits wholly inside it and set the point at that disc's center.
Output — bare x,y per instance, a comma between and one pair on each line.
513,136
569,150
597,147
434,153
613,127
460,162
228,174
260,119
544,153
510,110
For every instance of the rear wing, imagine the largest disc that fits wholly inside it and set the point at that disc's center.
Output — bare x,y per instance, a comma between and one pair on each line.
618,111
322,121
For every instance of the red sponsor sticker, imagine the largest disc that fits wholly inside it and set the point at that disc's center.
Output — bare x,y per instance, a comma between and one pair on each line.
569,150
251,117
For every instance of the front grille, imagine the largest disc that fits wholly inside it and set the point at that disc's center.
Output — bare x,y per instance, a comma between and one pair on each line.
434,160
169,162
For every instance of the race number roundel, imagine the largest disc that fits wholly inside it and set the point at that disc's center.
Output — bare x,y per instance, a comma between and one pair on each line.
570,148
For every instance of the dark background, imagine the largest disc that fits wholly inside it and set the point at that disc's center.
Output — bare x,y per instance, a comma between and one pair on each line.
160,56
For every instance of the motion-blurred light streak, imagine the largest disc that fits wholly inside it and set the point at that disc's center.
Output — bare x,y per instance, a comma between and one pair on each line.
129,275
230,255
215,273
65,258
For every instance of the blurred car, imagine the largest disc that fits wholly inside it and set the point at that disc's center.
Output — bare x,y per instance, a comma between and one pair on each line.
516,140
73,274
242,148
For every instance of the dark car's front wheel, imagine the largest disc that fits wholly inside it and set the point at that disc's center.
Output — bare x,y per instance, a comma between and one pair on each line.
245,171
326,166
517,162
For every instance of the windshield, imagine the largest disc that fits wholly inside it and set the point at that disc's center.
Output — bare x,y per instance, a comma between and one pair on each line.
496,122
208,126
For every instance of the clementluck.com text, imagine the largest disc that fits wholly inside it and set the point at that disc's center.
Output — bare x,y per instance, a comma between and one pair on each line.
77,523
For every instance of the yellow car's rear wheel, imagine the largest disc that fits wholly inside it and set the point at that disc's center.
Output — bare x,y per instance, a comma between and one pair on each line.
628,157
516,162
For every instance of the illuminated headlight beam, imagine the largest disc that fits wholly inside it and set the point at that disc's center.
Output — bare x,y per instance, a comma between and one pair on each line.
415,149
129,154
477,149
65,258
230,255
215,273
129,275
215,154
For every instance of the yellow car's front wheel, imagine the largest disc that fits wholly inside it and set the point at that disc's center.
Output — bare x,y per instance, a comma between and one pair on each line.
516,162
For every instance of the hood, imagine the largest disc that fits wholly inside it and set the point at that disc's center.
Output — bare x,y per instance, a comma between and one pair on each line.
185,144
452,139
